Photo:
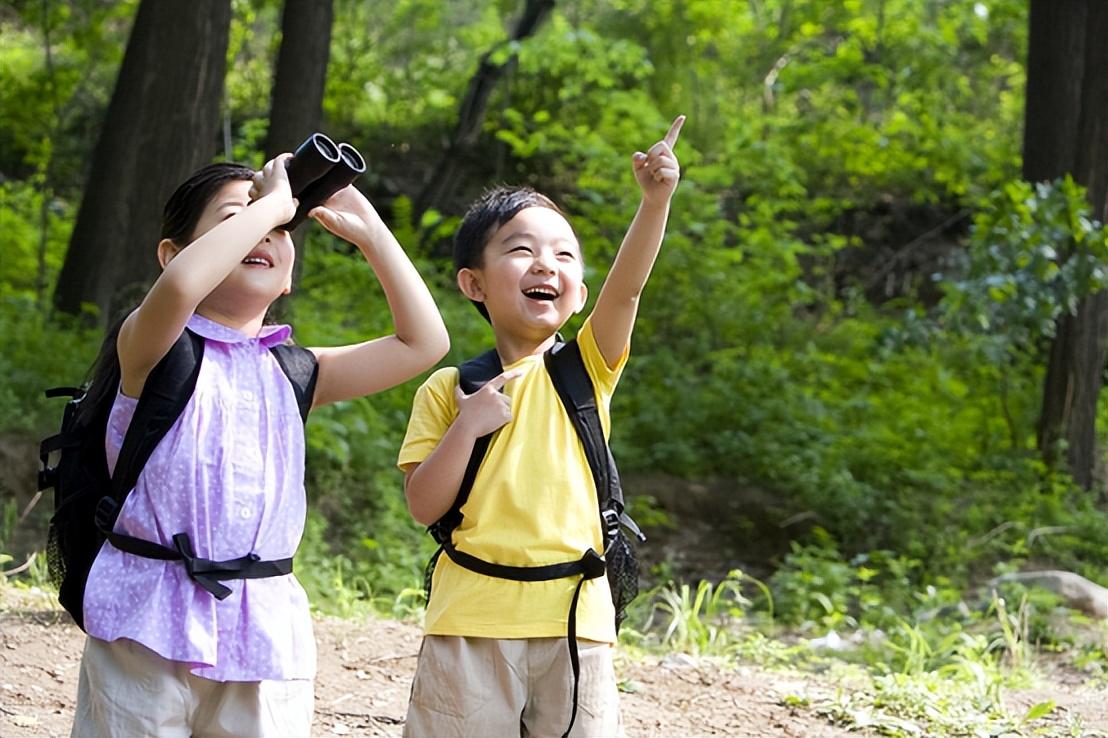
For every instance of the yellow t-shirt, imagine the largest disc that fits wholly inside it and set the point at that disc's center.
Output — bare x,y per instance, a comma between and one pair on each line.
533,503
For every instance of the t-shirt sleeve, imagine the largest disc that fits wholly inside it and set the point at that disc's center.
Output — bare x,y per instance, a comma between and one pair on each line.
604,377
433,410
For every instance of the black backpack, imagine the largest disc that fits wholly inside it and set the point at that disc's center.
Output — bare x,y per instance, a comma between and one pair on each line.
87,499
575,389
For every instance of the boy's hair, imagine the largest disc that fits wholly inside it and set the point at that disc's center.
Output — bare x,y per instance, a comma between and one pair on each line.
488,213
187,203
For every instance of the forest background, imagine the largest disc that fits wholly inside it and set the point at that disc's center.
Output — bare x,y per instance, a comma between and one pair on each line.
865,379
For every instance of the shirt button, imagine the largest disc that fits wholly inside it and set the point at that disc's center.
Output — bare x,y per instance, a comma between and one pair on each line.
245,513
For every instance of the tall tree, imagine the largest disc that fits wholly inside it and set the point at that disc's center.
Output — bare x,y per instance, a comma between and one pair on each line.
296,101
444,178
161,124
1066,131
296,105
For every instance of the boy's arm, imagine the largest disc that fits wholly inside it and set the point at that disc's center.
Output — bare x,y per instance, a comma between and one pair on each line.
432,485
613,317
420,339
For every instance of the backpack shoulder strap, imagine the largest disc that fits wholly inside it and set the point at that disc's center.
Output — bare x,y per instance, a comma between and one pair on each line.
575,389
574,386
474,373
472,376
167,390
301,366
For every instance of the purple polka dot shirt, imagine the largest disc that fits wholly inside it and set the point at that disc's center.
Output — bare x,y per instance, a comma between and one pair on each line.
230,473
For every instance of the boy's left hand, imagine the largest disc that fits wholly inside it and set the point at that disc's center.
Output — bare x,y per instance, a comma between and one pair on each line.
658,171
349,215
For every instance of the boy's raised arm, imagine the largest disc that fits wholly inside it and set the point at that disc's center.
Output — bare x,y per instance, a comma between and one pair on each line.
613,317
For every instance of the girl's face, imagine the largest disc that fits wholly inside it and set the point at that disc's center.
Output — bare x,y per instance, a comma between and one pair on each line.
266,272
532,278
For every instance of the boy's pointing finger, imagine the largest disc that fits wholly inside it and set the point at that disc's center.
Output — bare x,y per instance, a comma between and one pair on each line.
498,382
674,131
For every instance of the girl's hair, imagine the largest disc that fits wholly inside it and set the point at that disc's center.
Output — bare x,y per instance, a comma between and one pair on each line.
187,203
103,379
488,213
179,218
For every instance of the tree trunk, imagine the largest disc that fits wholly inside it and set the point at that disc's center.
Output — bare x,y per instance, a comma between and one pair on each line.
161,125
1055,60
444,178
296,107
1067,131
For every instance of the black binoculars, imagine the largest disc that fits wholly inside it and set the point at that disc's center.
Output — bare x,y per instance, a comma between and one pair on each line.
318,169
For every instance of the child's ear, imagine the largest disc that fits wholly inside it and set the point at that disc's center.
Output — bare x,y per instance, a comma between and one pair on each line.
166,251
469,282
583,299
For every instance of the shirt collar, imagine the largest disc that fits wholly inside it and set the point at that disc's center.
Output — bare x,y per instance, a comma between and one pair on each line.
268,336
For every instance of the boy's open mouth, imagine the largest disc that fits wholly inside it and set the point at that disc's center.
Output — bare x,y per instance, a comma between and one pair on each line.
541,293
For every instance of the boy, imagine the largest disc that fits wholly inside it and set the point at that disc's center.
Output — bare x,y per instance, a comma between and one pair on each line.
494,660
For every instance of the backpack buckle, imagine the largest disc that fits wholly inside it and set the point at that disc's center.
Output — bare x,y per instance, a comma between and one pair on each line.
47,478
105,513
593,565
611,523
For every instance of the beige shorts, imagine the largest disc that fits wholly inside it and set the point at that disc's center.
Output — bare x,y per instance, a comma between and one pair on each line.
511,687
125,689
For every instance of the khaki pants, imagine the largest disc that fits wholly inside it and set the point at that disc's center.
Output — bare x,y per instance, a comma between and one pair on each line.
126,690
489,688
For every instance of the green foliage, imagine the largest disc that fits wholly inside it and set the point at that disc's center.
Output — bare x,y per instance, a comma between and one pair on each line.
900,435
701,619
1035,254
894,442
35,354
914,662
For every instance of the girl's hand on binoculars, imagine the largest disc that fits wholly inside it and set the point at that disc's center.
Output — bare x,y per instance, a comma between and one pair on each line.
273,180
349,215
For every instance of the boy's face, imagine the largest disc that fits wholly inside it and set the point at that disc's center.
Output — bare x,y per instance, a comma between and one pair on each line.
532,279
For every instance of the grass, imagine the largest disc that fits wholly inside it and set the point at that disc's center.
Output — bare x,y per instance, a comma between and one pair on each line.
931,677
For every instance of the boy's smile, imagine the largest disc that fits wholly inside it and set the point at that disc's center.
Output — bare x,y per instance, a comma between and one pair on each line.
532,277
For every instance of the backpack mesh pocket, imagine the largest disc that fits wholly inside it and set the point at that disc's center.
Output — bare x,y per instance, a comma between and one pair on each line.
623,575
55,559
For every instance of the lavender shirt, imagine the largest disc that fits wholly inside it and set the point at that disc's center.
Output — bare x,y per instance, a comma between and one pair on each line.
230,473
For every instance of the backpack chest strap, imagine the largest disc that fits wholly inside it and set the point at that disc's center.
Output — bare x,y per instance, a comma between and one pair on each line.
589,566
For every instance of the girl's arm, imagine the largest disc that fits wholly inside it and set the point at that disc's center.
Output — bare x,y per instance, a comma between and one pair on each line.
613,317
190,274
420,339
432,485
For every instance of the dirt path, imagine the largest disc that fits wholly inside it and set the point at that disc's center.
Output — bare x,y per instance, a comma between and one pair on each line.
365,670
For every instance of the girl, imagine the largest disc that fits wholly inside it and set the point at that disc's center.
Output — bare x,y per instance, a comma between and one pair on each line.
164,656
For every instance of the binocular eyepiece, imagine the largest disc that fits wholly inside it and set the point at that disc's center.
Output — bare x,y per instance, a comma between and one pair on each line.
318,169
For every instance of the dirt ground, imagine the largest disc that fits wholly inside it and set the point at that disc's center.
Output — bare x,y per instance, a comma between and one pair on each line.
365,670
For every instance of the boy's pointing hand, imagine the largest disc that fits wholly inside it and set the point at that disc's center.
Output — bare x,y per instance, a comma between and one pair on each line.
657,171
487,409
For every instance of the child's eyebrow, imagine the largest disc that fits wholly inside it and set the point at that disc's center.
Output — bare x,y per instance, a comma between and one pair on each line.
514,235
527,235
